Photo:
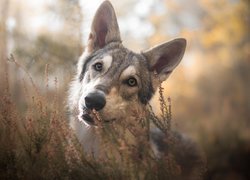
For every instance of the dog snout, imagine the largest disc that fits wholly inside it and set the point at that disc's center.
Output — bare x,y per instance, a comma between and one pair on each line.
95,101
102,88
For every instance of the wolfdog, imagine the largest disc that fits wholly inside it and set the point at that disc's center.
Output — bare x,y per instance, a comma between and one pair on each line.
114,81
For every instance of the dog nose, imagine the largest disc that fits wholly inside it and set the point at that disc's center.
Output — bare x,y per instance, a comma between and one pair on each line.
95,101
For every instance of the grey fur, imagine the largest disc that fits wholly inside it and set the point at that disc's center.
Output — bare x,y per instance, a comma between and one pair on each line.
123,58
148,68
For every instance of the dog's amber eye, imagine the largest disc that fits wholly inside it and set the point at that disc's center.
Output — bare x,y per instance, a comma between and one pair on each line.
98,66
132,82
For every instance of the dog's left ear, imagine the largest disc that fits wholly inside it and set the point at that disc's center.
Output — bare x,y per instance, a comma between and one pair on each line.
104,27
164,58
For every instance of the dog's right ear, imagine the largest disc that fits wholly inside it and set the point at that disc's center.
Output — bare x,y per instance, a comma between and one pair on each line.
104,27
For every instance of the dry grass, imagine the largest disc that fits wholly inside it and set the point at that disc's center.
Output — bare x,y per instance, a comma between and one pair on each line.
38,144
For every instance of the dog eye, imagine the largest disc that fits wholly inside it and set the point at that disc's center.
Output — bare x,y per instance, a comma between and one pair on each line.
98,66
132,82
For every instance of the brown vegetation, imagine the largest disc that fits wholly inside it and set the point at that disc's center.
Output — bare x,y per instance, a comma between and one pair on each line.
210,97
38,143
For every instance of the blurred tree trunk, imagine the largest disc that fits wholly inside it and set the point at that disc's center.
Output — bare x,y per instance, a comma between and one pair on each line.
4,4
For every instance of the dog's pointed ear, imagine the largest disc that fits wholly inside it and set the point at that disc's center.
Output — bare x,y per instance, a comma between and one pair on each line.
164,58
104,27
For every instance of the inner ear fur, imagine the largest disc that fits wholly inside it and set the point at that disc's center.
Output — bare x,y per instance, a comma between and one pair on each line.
164,58
104,27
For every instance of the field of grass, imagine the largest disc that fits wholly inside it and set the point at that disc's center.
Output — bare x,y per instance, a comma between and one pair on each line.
37,143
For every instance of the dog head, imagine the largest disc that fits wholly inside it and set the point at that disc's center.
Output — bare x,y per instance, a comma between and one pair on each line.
114,80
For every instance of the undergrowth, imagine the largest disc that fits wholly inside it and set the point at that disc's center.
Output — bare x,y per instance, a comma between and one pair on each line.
38,143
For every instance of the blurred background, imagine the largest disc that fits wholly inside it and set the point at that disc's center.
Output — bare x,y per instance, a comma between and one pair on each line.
209,89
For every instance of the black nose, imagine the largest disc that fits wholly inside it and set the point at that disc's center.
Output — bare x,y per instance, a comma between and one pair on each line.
95,101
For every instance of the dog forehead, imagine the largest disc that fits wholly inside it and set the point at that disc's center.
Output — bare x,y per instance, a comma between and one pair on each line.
126,57
129,71
107,61
107,58
115,58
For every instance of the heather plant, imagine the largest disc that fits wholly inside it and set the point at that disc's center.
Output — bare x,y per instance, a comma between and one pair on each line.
38,143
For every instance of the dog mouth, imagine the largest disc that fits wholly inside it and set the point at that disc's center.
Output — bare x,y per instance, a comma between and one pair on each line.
92,118
87,119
